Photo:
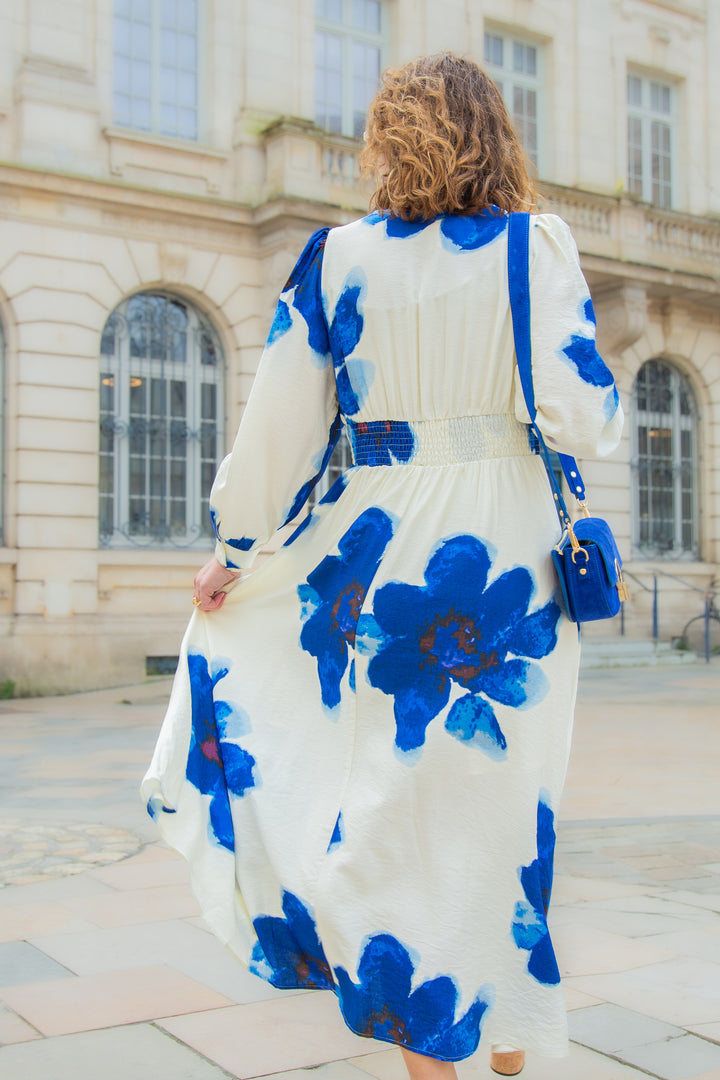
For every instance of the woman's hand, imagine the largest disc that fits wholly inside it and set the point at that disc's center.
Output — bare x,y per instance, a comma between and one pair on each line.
209,581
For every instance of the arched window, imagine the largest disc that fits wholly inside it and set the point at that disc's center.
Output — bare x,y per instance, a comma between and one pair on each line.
664,462
161,412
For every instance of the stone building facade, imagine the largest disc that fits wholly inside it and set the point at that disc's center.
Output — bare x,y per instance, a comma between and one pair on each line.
161,164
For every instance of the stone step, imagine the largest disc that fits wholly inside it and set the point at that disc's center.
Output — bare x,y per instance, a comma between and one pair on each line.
632,652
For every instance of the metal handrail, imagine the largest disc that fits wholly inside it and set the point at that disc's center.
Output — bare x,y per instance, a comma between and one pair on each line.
708,593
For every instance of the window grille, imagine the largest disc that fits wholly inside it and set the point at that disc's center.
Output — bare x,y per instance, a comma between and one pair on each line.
161,423
156,66
650,140
515,66
349,41
665,436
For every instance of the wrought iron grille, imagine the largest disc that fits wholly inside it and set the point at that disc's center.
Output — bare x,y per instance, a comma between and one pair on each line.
161,410
664,465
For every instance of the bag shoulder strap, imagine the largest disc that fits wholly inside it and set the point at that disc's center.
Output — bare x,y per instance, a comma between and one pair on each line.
519,289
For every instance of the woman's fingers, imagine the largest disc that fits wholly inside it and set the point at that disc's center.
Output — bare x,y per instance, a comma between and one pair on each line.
208,583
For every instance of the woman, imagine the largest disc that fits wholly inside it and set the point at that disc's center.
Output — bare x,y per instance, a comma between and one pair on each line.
367,739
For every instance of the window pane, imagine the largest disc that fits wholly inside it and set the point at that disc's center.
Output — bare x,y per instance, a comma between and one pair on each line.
187,15
121,74
169,12
107,342
187,51
659,97
493,50
121,109
186,89
168,85
141,10
366,75
187,126
366,15
140,78
209,400
140,114
141,41
518,57
208,354
328,81
524,59
634,90
168,47
121,35
329,9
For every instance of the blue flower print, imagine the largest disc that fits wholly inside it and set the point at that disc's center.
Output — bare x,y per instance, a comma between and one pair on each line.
588,311
457,629
331,496
216,765
281,323
338,834
381,442
382,1004
305,282
530,929
334,594
396,226
243,543
472,231
458,232
579,353
304,493
288,952
352,375
611,402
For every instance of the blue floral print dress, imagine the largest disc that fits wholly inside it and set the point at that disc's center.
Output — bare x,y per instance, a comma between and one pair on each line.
365,746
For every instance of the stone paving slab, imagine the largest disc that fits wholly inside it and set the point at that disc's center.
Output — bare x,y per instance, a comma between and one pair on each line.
22,963
86,1002
676,1059
176,944
13,1029
612,1029
682,991
137,1052
271,1036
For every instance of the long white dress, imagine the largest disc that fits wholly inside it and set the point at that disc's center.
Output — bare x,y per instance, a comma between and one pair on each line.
365,747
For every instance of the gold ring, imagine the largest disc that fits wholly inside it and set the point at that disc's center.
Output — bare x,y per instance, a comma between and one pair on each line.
196,602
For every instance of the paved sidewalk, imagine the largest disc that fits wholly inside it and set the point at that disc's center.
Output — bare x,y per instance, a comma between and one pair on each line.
106,969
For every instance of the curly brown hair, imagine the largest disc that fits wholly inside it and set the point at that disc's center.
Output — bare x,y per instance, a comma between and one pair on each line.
441,139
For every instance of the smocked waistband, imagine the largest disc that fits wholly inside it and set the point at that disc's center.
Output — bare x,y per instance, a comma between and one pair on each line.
438,442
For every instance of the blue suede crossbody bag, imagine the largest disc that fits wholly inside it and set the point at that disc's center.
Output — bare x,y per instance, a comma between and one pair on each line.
586,557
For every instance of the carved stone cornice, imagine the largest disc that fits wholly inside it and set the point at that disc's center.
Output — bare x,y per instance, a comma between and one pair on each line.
622,315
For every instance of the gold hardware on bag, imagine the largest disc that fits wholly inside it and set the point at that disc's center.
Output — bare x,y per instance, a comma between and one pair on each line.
622,588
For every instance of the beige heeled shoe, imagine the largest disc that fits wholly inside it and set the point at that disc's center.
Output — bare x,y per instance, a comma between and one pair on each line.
506,1060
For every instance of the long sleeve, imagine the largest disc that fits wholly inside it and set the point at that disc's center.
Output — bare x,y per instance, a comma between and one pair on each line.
578,408
290,424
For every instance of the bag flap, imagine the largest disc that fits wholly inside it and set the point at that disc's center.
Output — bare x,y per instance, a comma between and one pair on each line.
594,530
